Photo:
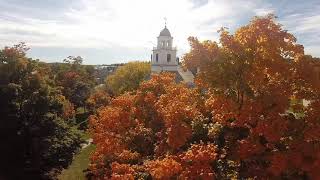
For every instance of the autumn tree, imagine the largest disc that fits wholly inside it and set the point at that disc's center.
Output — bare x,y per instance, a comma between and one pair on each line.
243,120
77,80
128,77
98,98
252,76
154,121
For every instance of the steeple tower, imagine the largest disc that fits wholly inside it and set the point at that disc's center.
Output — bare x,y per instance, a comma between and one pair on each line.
164,55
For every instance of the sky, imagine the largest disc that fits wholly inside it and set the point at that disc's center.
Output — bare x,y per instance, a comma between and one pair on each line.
116,31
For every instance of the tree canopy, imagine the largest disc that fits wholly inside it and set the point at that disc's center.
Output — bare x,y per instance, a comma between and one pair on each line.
76,80
128,77
36,122
238,122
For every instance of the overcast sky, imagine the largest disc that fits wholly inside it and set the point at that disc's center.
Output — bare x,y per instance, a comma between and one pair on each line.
112,31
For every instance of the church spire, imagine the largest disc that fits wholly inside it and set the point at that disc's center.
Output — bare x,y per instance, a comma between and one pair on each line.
165,22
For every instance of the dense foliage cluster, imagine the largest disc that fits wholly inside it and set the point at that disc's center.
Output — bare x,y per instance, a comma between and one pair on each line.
37,121
243,120
254,76
128,77
156,121
76,79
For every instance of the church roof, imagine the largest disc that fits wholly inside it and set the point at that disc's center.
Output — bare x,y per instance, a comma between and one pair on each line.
165,32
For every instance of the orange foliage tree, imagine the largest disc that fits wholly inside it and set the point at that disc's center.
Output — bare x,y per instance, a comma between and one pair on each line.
155,121
253,77
98,98
244,119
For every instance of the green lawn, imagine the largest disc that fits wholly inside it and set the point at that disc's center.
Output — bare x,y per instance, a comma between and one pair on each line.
80,163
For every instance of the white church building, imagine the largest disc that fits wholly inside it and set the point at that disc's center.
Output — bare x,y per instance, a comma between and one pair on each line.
164,57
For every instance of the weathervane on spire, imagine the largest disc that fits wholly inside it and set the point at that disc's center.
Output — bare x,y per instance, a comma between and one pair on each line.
165,22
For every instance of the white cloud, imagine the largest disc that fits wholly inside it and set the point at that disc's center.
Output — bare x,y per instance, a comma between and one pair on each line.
306,28
107,24
125,22
301,23
263,11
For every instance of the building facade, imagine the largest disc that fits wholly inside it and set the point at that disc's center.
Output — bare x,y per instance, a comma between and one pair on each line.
164,58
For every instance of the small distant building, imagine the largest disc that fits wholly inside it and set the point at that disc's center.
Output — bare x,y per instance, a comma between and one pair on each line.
104,70
164,58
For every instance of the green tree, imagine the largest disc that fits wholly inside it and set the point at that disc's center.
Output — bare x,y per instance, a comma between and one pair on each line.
128,77
36,124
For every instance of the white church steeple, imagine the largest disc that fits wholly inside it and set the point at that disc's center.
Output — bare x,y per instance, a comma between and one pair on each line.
164,55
